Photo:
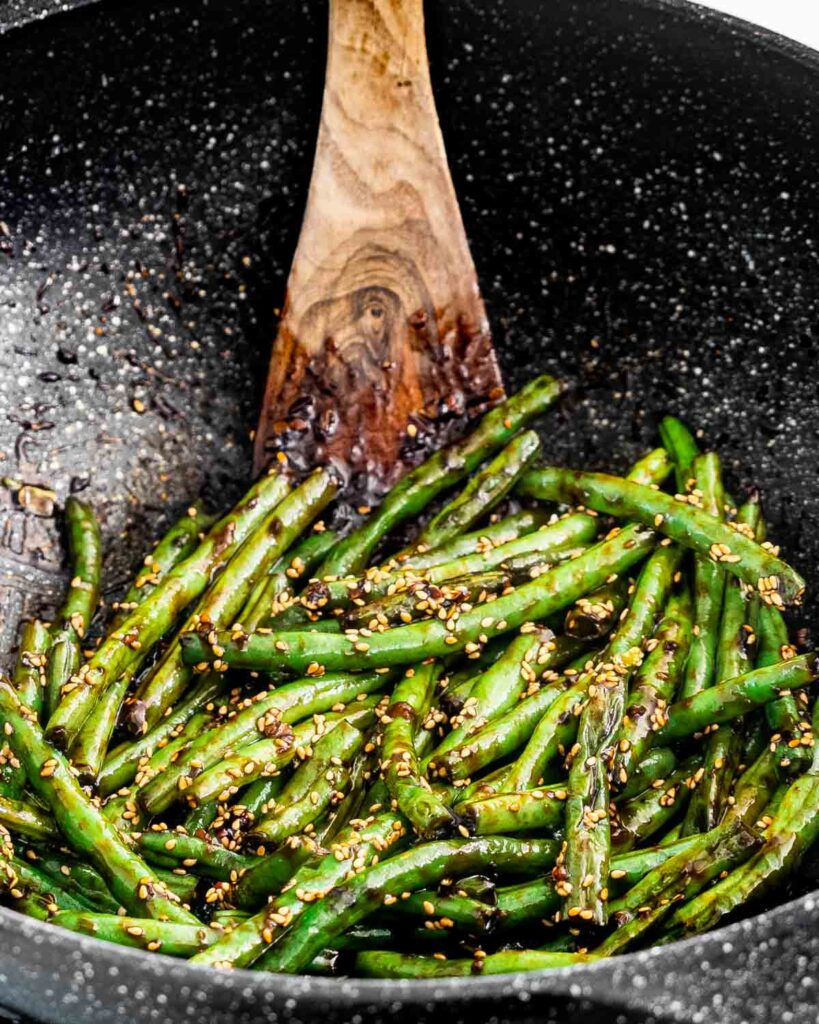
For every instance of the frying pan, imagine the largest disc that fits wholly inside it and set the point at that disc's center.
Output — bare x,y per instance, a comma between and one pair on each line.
639,179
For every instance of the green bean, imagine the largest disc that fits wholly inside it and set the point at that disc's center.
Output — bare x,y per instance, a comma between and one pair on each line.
180,882
484,538
199,819
33,891
588,841
386,964
267,757
410,702
226,597
709,798
555,589
652,468
36,906
793,830
91,745
27,819
681,877
525,902
755,737
525,721
736,697
169,751
416,868
122,765
458,908
772,808
735,651
654,685
696,866
444,469
657,765
123,812
263,717
484,490
772,646
480,552
180,541
709,584
425,600
177,881
499,689
680,444
318,784
776,582
229,917
74,616
85,829
487,785
167,937
362,795
200,856
592,617
263,758
548,737
645,815
29,670
271,873
63,663
554,541
85,882
457,689
505,734
505,813
353,847
758,783
477,886
79,880
129,645
29,680
85,559
260,793
275,588
783,714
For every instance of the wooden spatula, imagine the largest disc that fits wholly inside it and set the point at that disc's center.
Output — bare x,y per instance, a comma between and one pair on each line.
383,349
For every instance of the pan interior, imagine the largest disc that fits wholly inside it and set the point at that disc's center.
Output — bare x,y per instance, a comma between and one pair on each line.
640,193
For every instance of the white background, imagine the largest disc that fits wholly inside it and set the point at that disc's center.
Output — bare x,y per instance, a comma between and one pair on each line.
798,19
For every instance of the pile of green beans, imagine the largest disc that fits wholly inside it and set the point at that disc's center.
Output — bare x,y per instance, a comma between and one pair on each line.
565,722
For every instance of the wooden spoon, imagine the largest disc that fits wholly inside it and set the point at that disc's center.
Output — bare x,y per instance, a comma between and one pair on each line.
383,349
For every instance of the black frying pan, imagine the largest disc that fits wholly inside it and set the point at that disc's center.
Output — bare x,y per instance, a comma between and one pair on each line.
640,182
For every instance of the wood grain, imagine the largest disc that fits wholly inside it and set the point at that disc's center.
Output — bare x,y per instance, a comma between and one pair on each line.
383,343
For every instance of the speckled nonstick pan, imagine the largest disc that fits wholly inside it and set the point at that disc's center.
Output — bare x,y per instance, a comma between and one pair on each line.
640,183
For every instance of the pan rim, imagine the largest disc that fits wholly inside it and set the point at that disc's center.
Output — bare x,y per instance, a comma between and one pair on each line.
758,34
352,992
355,992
